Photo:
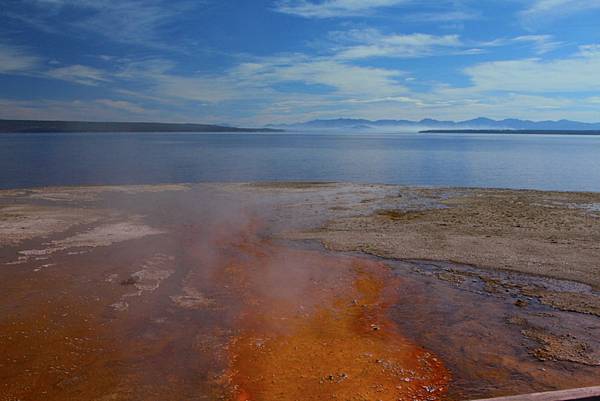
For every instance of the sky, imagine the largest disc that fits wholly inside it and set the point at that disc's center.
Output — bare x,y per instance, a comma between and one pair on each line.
255,62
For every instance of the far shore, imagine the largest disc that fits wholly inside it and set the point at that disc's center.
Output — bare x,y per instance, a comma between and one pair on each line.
57,127
510,131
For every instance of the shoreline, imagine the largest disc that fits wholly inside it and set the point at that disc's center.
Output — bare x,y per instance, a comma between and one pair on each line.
296,184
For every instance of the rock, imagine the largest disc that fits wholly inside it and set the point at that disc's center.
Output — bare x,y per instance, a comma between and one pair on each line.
129,281
521,303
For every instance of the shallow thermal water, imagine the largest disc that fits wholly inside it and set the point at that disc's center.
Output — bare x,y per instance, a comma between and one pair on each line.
221,313
552,162
206,306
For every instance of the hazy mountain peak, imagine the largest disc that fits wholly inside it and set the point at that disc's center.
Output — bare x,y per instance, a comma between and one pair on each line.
476,123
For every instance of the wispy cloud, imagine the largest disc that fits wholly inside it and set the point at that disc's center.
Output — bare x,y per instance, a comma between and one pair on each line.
367,68
541,11
356,44
371,43
129,21
333,8
576,73
434,12
16,59
541,44
343,78
452,16
96,110
122,105
79,74
258,78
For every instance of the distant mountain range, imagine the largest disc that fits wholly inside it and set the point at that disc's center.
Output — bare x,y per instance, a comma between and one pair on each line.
478,124
428,123
40,126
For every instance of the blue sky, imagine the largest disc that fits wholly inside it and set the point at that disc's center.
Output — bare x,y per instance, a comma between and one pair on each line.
253,62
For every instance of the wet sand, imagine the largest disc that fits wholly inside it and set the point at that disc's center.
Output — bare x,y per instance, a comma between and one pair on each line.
223,291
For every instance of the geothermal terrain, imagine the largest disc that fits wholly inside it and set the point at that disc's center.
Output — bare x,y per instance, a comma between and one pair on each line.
296,291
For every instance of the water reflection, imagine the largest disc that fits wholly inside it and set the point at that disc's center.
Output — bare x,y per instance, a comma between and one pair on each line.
508,161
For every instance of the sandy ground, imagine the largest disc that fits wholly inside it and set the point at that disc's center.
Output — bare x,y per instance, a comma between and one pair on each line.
552,234
222,291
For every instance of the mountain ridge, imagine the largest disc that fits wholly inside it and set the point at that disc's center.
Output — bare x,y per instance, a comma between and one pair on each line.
429,123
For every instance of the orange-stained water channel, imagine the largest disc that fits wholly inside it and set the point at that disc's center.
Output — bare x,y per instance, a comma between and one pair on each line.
316,327
217,312
214,309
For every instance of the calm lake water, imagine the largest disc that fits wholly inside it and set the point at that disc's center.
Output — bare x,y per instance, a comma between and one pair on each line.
484,160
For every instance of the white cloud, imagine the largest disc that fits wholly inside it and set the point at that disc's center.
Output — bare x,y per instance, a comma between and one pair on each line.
122,105
451,11
504,89
343,78
80,74
159,83
593,100
365,43
204,89
389,99
333,8
562,6
541,11
590,50
257,79
336,82
500,89
371,43
577,73
14,59
542,43
441,16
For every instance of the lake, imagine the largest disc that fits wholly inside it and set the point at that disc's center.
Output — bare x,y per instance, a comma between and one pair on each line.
549,162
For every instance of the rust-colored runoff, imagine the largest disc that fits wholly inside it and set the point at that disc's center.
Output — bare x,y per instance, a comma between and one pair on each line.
315,327
237,317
